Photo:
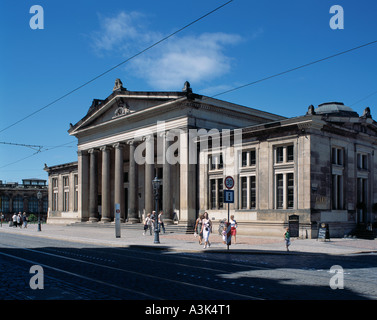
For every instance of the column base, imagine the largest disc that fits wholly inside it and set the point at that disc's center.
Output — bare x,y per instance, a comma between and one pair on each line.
93,219
133,220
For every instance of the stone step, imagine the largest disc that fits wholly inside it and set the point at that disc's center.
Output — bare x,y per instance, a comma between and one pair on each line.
171,228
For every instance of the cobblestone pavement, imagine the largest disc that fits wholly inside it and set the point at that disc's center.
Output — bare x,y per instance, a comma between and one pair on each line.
187,242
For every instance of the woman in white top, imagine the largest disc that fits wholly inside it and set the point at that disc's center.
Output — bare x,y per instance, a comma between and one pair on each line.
206,229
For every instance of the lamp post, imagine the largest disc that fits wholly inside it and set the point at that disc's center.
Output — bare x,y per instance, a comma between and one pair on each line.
39,197
156,187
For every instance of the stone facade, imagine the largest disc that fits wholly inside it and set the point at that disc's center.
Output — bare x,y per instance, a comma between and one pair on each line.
15,197
316,168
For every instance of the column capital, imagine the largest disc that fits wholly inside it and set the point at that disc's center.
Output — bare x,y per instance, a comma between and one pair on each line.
93,150
148,137
118,145
82,152
104,148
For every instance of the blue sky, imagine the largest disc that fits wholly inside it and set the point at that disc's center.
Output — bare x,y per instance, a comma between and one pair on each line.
240,43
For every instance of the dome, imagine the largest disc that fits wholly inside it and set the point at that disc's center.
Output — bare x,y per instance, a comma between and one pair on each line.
336,109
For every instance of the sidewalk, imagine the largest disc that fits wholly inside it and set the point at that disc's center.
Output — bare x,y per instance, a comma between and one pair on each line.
105,236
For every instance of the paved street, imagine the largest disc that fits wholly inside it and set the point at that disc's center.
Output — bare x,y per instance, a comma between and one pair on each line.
84,263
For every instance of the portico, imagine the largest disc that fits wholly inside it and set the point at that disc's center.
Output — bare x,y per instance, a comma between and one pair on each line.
130,137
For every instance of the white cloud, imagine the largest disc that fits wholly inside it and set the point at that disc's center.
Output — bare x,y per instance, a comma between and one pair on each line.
167,66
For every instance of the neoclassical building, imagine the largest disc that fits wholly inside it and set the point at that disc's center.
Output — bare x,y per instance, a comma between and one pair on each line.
319,167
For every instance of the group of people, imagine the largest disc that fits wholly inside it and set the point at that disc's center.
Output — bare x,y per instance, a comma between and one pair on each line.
150,220
203,228
19,220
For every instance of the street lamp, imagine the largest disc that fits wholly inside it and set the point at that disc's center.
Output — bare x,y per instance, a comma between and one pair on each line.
156,187
39,196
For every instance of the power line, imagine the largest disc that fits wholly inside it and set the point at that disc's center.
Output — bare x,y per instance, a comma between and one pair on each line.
362,99
31,146
116,66
296,68
35,153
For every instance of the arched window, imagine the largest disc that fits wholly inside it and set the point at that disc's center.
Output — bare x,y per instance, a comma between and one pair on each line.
33,205
4,204
18,204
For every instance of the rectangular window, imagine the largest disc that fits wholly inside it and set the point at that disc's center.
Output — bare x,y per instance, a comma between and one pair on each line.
55,201
213,193
279,154
253,159
220,192
279,191
290,156
66,200
244,193
362,161
248,158
290,191
285,193
337,156
66,181
337,192
244,159
76,194
253,192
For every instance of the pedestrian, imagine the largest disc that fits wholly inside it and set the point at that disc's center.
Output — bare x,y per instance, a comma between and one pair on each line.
224,234
233,228
154,220
161,221
206,229
287,238
148,224
14,219
19,220
25,220
198,228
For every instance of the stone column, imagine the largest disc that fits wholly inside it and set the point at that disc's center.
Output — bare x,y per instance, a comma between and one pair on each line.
106,214
83,185
118,180
149,174
93,186
132,188
167,193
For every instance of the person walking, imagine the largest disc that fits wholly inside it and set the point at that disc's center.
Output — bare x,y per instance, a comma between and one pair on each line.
154,220
19,220
198,228
148,224
206,229
161,221
14,219
287,238
25,220
233,228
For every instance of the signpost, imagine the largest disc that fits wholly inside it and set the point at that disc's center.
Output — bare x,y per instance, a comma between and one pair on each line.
228,198
117,220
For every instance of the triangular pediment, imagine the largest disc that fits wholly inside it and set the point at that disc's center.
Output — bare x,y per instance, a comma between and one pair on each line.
120,105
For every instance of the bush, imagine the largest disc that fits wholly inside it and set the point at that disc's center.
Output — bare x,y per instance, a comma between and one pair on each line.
32,218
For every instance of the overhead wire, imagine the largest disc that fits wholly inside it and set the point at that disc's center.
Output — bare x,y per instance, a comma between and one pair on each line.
296,68
116,66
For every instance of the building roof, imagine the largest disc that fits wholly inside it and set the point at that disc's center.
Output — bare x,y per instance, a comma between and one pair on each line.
335,108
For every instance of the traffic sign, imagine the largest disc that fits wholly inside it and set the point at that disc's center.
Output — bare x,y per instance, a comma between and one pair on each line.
229,182
228,196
